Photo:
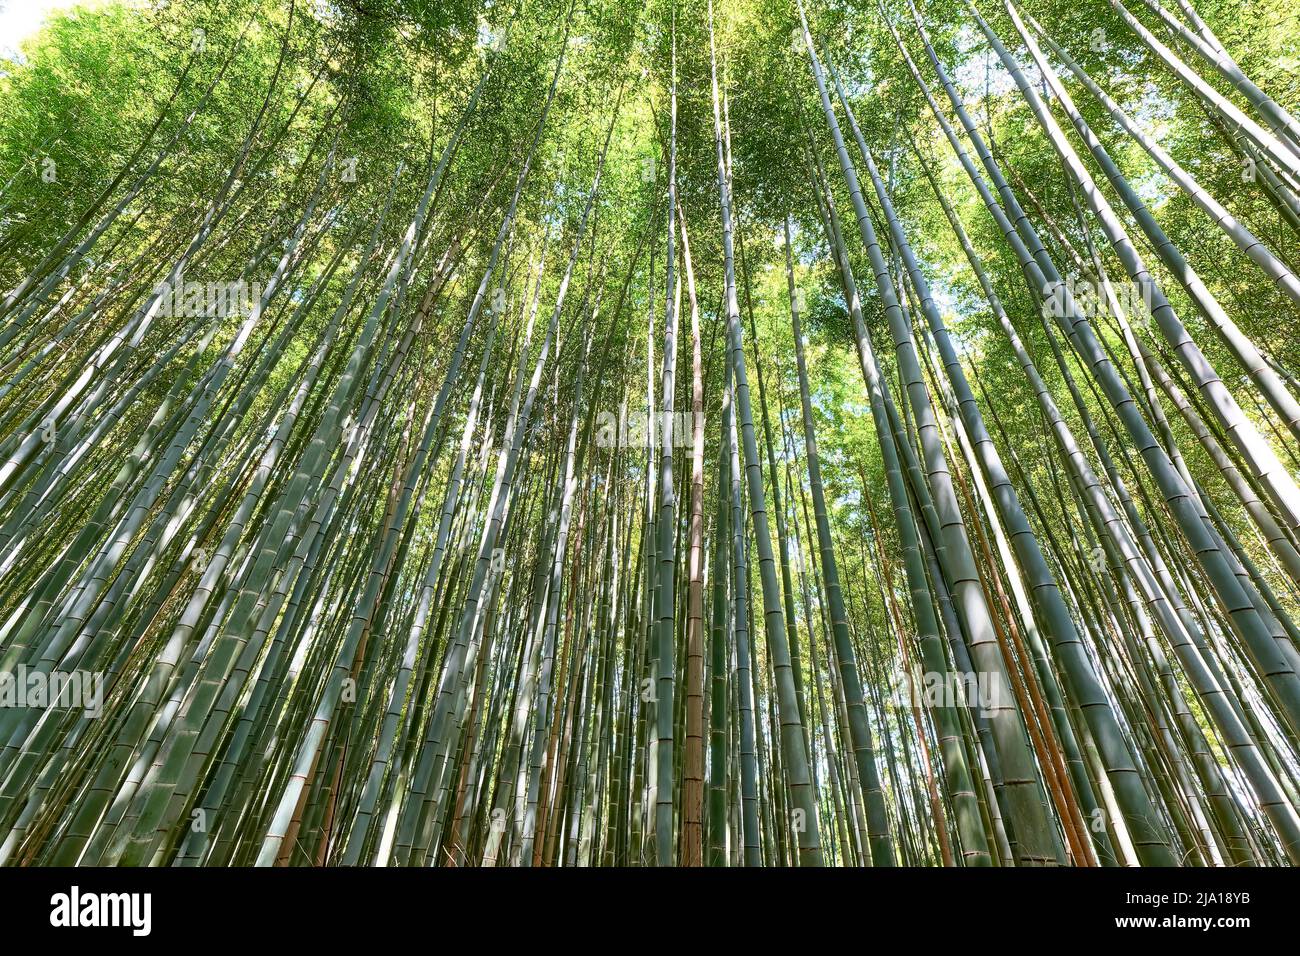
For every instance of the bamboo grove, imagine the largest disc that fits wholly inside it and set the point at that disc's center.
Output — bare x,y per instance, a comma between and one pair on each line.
702,433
